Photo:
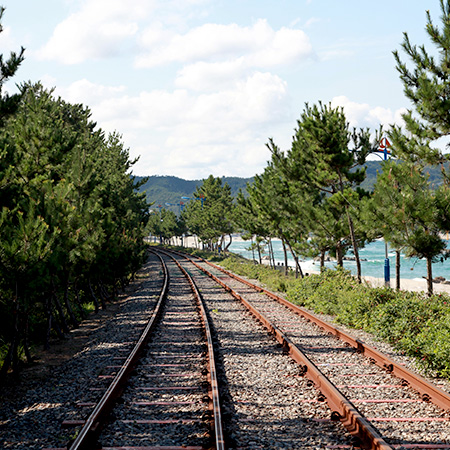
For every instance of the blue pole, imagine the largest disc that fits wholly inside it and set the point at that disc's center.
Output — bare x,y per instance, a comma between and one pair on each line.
387,269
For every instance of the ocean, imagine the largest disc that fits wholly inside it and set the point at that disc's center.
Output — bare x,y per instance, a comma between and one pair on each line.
372,261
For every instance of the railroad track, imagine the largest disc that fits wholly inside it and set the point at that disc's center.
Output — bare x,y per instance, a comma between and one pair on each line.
269,400
164,394
382,404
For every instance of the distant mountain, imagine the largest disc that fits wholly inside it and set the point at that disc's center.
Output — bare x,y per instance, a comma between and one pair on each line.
372,167
163,190
169,189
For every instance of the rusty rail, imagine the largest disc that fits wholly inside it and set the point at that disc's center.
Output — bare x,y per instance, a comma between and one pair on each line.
426,389
342,408
212,373
88,435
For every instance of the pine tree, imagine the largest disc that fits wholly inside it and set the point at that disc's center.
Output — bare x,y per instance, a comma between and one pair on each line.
428,84
325,156
8,68
209,214
405,209
70,216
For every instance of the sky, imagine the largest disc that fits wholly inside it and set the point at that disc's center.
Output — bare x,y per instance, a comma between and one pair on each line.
197,87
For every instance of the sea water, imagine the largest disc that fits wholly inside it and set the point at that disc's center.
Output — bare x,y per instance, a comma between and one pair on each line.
372,261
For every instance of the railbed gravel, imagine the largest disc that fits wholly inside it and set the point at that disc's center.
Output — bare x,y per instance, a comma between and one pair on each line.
264,407
267,403
327,352
175,357
31,418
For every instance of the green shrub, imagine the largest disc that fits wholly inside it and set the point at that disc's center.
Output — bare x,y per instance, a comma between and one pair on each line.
417,325
322,293
435,349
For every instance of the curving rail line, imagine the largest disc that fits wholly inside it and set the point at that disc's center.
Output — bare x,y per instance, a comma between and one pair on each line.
343,409
87,437
214,394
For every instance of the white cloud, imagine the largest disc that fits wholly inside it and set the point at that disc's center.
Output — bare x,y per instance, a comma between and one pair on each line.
7,43
203,76
363,115
84,91
99,29
221,132
259,45
313,20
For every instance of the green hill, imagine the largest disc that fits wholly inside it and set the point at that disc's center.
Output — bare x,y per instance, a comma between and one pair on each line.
168,189
373,166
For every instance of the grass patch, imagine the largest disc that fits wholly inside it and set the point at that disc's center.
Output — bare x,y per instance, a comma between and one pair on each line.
88,308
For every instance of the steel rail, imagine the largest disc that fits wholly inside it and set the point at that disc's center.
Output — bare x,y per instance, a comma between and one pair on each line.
214,394
342,408
427,390
88,435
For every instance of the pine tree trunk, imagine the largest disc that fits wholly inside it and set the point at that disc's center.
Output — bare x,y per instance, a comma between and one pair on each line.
15,353
13,346
429,277
298,269
271,255
72,317
269,248
322,261
57,326
49,324
94,298
104,292
52,323
397,270
26,347
61,315
355,245
229,243
78,303
339,256
285,257
101,295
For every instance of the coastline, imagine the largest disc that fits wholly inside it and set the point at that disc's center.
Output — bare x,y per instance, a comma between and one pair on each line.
406,284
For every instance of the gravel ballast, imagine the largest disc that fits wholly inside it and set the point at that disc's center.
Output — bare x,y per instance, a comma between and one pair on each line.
267,402
33,408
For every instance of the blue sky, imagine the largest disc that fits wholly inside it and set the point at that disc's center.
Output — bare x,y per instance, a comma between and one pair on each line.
197,87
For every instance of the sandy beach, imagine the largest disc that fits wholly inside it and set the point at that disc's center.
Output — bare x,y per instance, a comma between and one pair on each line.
406,284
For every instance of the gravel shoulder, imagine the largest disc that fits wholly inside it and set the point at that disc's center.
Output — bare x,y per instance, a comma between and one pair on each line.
33,406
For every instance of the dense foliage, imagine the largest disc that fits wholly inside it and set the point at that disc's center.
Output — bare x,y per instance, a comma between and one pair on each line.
417,325
209,215
168,191
310,196
71,223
